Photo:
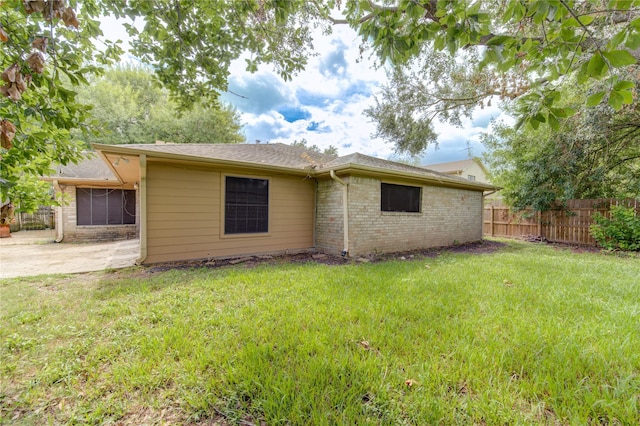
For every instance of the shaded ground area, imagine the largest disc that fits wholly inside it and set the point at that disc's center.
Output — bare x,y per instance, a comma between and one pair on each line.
480,247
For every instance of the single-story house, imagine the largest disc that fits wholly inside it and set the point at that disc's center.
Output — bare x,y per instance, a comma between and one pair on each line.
96,204
469,169
198,201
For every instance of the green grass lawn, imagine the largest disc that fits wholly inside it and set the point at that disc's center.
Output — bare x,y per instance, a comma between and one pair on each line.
530,334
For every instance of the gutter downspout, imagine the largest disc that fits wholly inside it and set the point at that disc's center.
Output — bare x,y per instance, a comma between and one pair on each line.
345,212
142,188
59,221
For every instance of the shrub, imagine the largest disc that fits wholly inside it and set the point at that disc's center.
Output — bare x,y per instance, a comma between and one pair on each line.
621,232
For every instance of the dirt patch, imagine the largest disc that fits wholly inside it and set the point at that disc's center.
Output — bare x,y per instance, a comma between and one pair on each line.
480,247
575,248
578,248
593,249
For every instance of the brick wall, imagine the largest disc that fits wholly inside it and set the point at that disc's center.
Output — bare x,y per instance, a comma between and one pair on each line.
329,217
446,216
72,232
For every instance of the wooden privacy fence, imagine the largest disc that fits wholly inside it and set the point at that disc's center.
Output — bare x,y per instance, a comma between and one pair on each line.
42,218
569,224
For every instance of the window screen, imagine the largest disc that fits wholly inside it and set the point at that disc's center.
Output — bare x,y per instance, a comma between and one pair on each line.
400,198
97,206
246,205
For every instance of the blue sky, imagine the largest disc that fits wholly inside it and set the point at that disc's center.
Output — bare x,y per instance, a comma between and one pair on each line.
324,104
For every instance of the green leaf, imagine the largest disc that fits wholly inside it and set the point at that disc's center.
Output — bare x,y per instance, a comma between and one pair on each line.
573,22
498,40
252,66
439,43
616,100
597,67
617,39
627,96
569,35
534,123
619,58
583,73
586,19
620,4
452,46
507,14
633,41
595,99
624,85
563,112
553,122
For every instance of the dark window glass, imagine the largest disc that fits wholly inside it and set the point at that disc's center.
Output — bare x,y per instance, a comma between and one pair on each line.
83,206
115,200
246,205
95,206
98,206
129,208
399,198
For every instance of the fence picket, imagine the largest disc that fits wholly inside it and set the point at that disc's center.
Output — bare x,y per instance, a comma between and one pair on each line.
40,219
567,225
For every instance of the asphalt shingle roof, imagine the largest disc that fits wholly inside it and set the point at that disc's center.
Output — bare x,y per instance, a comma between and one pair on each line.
289,157
273,154
379,163
93,168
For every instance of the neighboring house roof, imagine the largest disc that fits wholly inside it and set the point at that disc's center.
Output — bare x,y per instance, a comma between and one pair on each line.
92,168
279,156
453,166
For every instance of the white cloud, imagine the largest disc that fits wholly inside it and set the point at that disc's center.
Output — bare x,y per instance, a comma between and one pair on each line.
324,103
260,94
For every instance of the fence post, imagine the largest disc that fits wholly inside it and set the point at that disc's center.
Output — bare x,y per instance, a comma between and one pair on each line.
491,221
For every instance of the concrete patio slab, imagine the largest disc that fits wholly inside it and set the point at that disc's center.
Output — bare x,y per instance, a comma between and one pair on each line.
30,253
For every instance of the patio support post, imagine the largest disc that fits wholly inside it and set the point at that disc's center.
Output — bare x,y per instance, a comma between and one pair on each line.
59,221
142,187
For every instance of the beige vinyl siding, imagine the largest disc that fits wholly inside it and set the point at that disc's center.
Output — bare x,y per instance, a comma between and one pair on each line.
475,170
185,215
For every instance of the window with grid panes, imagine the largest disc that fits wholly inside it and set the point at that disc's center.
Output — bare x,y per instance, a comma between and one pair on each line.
246,205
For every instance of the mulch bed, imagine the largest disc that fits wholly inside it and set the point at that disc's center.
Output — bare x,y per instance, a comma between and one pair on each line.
480,247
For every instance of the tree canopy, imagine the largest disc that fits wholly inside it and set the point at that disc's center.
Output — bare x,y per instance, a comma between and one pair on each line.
469,54
303,143
47,49
595,153
508,48
128,106
511,49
